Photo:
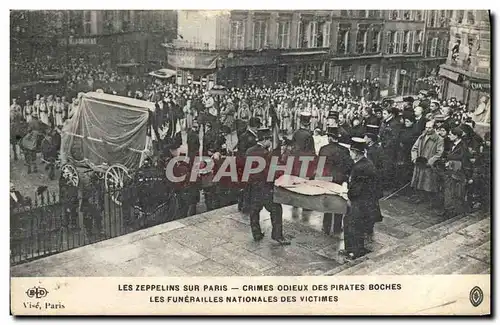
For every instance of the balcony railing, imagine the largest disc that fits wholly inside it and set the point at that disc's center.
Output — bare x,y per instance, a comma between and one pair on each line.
192,45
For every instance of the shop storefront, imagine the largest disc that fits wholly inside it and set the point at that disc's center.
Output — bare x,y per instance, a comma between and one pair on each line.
464,88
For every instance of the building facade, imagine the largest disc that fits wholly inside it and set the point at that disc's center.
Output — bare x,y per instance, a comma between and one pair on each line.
245,47
125,36
466,74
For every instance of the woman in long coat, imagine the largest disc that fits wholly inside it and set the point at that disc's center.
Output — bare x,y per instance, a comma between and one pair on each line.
458,172
425,152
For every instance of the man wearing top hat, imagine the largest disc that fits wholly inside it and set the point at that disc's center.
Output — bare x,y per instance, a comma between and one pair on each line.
261,189
362,200
338,165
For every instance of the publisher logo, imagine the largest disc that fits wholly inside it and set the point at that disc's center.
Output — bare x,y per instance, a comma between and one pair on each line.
37,292
476,296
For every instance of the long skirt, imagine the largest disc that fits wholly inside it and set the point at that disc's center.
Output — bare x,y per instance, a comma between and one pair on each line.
454,194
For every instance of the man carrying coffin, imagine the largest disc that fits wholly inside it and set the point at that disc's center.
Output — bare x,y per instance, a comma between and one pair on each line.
261,189
361,203
338,166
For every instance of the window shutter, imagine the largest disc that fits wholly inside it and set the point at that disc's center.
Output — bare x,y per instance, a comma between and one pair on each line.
387,41
254,35
433,47
278,33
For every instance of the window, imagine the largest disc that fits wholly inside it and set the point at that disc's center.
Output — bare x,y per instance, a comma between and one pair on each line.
260,34
390,42
394,15
324,40
343,13
362,14
409,41
398,43
438,47
343,41
361,38
406,37
237,35
376,41
418,15
432,19
418,42
443,20
87,22
373,13
428,49
460,16
312,34
407,14
434,47
284,34
471,19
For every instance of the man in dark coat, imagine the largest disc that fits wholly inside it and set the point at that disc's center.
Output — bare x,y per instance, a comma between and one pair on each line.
192,139
361,202
389,140
261,191
338,165
303,140
420,120
188,193
375,155
303,146
247,140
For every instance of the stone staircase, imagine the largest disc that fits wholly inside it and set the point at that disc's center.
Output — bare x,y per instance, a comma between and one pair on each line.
459,245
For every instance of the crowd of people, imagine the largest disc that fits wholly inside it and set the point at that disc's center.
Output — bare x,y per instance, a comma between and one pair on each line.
421,145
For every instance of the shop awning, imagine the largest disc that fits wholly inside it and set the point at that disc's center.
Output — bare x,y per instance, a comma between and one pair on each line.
192,60
303,53
163,73
448,74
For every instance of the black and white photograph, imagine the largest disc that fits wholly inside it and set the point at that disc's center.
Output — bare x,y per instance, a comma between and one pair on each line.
222,143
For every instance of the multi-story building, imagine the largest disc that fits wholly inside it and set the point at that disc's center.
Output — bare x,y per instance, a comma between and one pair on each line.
127,35
436,39
402,50
466,73
239,47
356,47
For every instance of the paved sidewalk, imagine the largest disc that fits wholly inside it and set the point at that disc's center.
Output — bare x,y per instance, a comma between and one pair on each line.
219,243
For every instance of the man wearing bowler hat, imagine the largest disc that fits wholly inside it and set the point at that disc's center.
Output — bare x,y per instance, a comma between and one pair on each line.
261,188
337,165
361,203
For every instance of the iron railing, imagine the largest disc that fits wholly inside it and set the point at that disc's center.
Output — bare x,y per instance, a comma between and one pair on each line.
55,223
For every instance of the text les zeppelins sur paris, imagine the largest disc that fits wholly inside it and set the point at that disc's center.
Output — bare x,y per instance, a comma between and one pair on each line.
269,293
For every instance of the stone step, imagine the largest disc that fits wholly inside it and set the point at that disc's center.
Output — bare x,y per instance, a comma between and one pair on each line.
375,260
413,243
438,252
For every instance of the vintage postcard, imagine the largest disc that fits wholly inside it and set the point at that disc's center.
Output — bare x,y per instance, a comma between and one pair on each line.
250,162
